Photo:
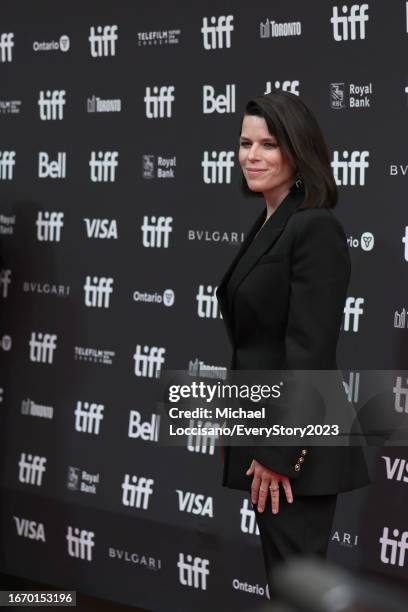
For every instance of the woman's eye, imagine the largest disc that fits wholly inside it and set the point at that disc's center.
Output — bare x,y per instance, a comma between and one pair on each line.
271,145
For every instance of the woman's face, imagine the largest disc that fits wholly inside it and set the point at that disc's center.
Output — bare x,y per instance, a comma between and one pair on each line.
264,164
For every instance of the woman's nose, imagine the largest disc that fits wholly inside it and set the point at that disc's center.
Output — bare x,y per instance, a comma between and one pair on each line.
253,152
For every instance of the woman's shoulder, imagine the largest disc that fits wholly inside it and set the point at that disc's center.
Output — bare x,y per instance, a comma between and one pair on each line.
316,221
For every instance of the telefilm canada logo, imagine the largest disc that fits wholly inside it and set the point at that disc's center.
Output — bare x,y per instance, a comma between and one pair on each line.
93,355
158,37
10,107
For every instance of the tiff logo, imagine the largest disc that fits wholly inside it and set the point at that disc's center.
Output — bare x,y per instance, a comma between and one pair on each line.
97,291
103,166
390,546
291,86
193,572
401,396
147,364
5,280
136,491
88,417
248,519
395,468
6,46
207,303
31,469
42,347
201,443
52,104
352,308
102,40
49,225
348,168
52,169
352,387
405,242
352,15
156,232
7,163
80,543
218,169
218,34
158,104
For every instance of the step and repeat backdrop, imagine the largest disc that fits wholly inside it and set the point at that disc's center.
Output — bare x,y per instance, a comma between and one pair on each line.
120,209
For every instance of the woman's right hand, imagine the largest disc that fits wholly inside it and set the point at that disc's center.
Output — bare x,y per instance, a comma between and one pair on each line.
266,480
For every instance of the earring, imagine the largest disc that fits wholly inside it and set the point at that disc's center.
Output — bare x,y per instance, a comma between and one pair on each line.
299,181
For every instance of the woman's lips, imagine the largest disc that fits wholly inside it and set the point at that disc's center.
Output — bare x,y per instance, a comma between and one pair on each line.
255,170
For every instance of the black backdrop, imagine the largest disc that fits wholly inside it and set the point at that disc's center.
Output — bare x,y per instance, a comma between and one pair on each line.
120,209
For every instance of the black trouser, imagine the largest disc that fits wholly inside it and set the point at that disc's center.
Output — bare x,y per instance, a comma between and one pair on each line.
300,528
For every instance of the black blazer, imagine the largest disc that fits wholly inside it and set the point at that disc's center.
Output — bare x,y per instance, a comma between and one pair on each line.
282,302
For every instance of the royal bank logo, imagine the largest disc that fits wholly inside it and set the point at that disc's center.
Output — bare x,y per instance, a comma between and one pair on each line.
6,46
156,231
167,298
159,101
143,430
365,242
217,166
80,543
207,303
351,24
221,103
148,361
248,519
350,170
51,104
49,226
7,163
7,225
393,547
5,280
102,40
93,355
396,468
55,169
290,86
217,32
357,96
193,571
103,165
82,481
101,228
97,290
100,105
88,417
158,37
31,469
29,529
31,408
156,166
63,44
42,347
10,107
196,367
275,29
195,503
353,309
136,491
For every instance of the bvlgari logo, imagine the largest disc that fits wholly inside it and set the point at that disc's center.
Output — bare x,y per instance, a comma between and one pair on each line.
137,558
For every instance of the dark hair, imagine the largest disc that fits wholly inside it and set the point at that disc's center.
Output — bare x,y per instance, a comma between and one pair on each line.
300,137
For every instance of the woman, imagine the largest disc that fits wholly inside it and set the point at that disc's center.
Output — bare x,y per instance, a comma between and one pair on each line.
282,302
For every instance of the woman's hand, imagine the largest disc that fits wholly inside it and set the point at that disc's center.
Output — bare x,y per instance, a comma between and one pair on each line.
265,480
